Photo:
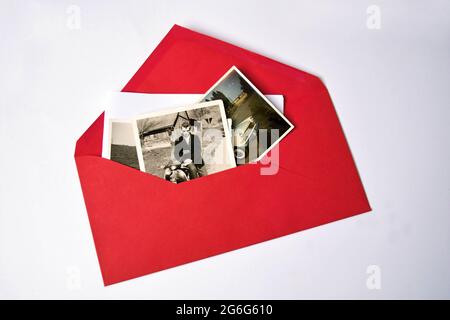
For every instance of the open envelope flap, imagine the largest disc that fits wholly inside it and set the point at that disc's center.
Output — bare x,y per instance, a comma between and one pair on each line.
187,61
316,150
143,224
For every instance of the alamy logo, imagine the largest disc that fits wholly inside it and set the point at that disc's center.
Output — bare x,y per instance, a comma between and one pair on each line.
73,21
373,21
373,281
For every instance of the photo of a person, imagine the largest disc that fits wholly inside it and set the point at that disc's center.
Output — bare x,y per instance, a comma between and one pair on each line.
186,143
187,150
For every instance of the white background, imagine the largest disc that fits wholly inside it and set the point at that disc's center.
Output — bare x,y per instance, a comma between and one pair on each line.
390,87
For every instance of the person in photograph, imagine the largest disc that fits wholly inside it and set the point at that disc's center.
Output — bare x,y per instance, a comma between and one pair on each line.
187,150
186,143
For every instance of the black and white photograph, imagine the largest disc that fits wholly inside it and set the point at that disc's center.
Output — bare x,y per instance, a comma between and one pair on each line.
122,145
185,143
257,125
316,135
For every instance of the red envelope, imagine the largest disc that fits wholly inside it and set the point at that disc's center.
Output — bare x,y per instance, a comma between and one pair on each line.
143,224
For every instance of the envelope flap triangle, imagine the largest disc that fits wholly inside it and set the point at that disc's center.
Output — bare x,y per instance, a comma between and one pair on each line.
90,143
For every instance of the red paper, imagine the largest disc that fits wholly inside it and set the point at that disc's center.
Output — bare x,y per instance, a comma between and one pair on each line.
143,224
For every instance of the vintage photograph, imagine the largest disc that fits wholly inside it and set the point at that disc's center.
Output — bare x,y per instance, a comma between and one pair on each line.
185,143
257,126
122,144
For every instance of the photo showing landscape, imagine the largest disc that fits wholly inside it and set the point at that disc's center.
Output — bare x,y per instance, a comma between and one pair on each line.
123,147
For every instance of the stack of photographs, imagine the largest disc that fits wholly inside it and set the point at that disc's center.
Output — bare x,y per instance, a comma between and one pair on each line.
233,124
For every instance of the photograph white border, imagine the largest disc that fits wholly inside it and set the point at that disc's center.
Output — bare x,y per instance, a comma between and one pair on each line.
108,143
122,106
199,105
234,68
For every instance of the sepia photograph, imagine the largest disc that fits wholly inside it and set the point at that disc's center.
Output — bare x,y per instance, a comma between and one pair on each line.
257,125
185,143
122,145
